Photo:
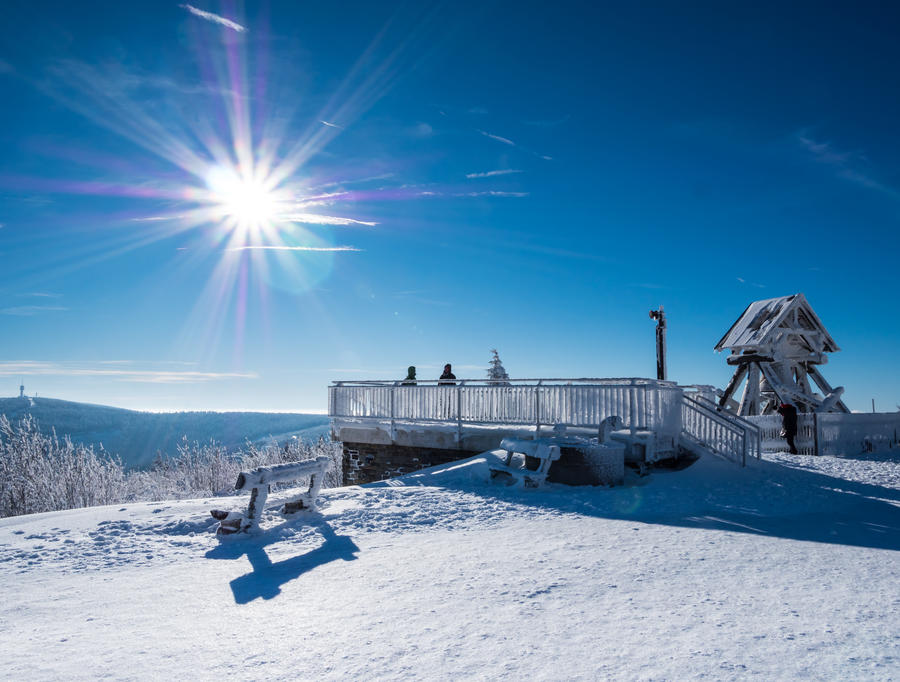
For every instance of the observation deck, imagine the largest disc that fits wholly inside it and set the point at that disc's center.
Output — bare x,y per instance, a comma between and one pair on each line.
392,427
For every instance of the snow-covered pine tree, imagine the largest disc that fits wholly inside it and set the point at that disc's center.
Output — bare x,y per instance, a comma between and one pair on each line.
496,373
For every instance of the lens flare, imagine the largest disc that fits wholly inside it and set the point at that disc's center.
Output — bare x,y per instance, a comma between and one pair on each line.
230,164
245,200
247,203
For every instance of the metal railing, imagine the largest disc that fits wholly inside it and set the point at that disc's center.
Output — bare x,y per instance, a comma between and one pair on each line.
641,403
720,432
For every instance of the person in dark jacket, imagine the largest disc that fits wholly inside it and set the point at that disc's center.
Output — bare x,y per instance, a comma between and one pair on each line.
448,376
410,379
789,424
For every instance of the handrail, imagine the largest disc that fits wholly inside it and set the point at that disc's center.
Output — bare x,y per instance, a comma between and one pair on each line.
622,381
738,439
722,412
735,419
641,403
659,406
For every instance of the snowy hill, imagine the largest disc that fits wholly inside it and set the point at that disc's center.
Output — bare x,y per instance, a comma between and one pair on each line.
137,436
789,569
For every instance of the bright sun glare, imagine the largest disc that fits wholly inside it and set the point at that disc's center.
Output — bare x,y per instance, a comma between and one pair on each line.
245,200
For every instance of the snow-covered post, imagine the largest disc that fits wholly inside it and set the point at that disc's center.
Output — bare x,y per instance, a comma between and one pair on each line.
258,482
393,428
632,407
459,411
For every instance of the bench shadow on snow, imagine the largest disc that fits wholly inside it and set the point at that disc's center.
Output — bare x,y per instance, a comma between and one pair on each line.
766,498
267,577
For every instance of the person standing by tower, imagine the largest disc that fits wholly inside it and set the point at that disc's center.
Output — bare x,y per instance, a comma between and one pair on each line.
789,424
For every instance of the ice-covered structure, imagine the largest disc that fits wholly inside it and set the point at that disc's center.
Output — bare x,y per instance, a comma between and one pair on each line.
777,346
388,428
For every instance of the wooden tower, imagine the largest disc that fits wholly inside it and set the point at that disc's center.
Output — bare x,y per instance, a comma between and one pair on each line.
777,346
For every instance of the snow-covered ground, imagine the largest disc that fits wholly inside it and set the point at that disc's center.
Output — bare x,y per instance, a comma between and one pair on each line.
787,569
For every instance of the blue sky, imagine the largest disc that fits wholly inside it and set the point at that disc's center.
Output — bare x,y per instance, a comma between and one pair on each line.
227,206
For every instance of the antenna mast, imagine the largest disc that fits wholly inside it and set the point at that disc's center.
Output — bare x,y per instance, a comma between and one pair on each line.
660,318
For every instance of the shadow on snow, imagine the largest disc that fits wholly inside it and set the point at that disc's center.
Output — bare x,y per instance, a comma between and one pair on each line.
765,498
267,577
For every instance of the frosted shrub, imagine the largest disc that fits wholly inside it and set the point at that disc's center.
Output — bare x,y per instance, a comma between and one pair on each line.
43,473
496,372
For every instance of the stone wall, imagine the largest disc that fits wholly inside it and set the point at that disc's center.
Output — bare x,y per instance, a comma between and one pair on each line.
367,462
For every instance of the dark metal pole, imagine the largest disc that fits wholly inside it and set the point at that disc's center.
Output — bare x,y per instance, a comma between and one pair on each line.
660,318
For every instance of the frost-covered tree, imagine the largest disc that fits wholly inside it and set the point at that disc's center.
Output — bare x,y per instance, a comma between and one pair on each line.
40,472
496,372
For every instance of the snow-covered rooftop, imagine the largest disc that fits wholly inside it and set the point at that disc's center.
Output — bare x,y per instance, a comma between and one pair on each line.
757,325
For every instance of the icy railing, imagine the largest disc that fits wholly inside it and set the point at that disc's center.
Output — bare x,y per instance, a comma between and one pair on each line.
721,432
833,433
641,403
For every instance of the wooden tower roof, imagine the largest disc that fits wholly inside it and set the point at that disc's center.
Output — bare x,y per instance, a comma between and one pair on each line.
760,323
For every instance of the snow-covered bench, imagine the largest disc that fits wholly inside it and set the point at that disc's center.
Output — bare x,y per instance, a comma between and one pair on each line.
542,449
599,461
258,482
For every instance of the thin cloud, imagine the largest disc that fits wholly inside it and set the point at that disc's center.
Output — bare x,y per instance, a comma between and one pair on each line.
157,218
32,368
320,199
492,193
422,130
493,173
41,294
215,18
849,166
356,181
486,193
29,310
504,140
361,372
135,81
316,219
823,152
752,284
292,248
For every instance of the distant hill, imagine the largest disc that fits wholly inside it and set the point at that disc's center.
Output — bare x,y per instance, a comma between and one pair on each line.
138,436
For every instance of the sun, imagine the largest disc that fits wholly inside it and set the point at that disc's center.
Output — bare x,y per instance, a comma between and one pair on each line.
245,200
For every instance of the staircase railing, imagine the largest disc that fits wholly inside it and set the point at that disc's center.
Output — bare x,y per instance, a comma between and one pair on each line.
720,432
